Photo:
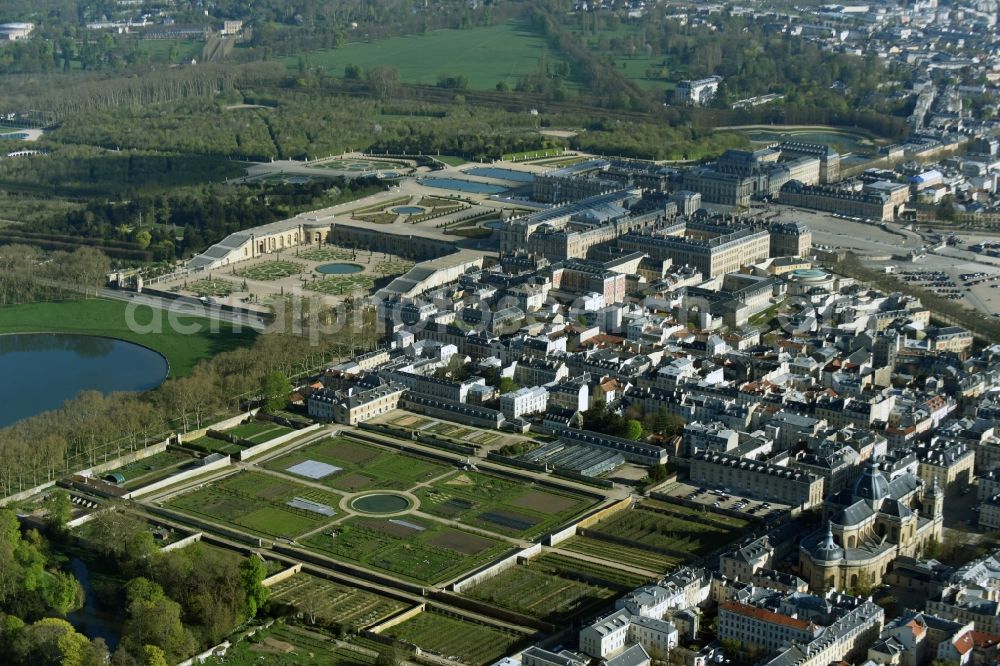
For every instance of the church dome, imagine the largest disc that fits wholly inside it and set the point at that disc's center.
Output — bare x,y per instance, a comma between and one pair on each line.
827,550
872,484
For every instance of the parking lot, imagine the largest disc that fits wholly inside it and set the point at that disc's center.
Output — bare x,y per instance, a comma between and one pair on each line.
723,499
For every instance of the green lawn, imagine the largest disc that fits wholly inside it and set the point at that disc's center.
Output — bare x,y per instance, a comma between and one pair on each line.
259,432
109,318
486,55
451,160
159,50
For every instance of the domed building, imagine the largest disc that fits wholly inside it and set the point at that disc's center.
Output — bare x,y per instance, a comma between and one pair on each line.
806,281
868,526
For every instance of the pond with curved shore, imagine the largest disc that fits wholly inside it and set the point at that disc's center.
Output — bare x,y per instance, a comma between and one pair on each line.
339,268
380,503
41,371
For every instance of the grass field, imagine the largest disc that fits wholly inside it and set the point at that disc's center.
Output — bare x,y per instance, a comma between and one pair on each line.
486,55
159,50
259,432
363,466
451,637
841,139
212,445
420,550
258,502
334,602
451,160
151,469
281,645
500,505
109,318
544,591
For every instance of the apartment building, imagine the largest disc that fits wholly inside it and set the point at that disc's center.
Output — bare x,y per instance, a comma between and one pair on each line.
756,479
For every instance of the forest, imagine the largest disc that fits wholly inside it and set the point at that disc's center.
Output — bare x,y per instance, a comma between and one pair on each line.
171,604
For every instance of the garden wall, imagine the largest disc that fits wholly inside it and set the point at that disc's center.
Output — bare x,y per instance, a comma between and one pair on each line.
221,425
558,537
141,454
205,525
179,477
252,451
183,543
25,494
606,512
515,462
282,575
398,619
96,470
496,568
219,649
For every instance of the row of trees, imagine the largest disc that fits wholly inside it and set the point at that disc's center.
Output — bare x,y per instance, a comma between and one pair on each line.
25,278
93,428
954,312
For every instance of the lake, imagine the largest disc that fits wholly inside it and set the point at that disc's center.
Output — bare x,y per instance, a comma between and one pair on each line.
41,371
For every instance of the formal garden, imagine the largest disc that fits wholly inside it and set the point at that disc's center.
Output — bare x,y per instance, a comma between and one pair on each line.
326,254
212,287
272,270
667,529
340,285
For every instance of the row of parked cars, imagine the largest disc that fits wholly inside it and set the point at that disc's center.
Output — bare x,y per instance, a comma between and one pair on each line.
722,497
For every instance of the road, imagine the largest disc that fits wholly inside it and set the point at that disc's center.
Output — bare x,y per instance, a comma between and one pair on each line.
188,308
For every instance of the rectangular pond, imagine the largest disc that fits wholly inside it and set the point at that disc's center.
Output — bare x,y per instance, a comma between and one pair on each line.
459,185
501,174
